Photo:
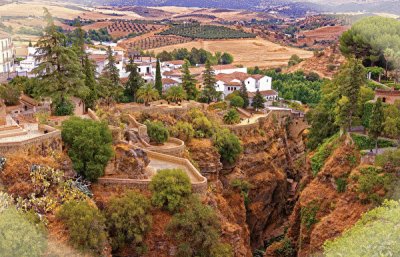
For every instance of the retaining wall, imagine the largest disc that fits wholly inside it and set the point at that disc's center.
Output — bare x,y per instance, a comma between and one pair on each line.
177,149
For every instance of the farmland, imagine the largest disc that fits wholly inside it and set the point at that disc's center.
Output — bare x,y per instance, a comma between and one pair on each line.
206,32
124,28
153,41
247,52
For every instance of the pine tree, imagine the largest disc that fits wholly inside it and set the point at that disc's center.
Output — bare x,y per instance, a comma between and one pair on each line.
350,79
245,96
60,70
135,81
189,82
110,70
258,101
78,42
376,122
209,92
158,83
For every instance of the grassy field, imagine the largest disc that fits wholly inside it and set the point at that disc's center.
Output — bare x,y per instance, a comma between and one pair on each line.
247,52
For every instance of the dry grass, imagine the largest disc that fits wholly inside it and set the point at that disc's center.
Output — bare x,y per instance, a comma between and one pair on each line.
247,52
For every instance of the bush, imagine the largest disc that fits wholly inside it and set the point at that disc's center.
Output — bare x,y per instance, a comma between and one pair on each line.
170,188
372,180
203,127
128,220
198,231
375,234
237,101
286,249
294,59
232,117
388,158
322,153
366,143
89,146
19,236
309,214
157,132
228,146
341,184
244,187
85,225
64,108
183,130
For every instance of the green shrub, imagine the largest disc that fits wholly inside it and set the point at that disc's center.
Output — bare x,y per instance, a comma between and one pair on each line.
375,234
203,127
309,214
228,146
372,179
232,117
63,108
183,130
244,187
366,143
388,158
85,225
341,184
286,249
322,153
19,236
157,132
128,220
237,101
170,188
218,106
197,230
89,146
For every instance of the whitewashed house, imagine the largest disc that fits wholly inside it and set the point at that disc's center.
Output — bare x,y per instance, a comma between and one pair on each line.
228,83
228,69
7,53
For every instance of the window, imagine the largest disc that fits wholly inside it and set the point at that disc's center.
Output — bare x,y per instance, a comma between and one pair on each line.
384,100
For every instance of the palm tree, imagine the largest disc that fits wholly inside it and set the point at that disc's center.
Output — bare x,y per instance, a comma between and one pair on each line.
176,94
147,93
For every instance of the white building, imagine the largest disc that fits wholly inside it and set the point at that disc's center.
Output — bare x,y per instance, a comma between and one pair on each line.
7,53
228,83
228,69
30,61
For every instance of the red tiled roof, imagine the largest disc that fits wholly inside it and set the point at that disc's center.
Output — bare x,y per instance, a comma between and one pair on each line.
176,62
168,81
229,77
257,76
387,92
224,67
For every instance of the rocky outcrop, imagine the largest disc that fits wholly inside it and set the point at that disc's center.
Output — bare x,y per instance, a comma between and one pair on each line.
206,157
128,161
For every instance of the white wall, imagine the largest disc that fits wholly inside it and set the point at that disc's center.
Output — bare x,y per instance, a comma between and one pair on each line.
230,71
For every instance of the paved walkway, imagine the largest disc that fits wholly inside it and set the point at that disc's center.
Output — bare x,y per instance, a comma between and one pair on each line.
155,165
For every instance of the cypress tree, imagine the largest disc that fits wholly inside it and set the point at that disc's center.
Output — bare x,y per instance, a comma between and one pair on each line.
258,101
90,82
135,81
110,70
189,82
244,95
209,92
158,83
376,122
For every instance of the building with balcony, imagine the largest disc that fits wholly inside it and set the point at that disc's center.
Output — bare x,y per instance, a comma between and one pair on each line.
7,53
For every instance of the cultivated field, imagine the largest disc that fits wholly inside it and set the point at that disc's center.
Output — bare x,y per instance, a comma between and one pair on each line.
247,52
124,28
324,33
153,41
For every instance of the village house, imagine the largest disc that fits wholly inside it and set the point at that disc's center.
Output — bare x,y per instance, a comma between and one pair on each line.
30,63
167,83
387,96
173,65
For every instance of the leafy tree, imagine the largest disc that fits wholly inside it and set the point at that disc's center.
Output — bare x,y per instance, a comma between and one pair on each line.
189,82
85,224
110,70
342,110
393,57
226,58
183,130
209,92
198,231
176,94
147,93
228,145
157,132
128,219
376,122
245,96
60,70
89,146
89,69
63,108
203,127
391,125
258,101
135,81
373,234
19,236
237,101
170,189
232,117
10,94
294,59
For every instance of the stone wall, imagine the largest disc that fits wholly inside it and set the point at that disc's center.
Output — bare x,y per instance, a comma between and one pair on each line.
43,145
176,148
